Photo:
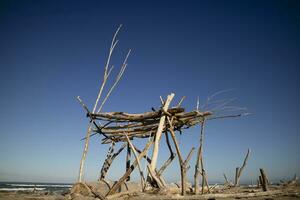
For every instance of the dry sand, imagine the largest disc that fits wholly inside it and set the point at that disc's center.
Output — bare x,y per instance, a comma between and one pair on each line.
275,193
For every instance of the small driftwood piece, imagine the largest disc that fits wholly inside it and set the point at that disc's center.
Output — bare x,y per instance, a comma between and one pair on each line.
227,183
291,182
263,180
170,159
239,170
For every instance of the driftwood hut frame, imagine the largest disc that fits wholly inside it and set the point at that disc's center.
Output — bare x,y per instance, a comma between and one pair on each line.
167,120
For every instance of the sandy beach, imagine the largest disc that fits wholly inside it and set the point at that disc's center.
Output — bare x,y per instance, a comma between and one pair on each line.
275,193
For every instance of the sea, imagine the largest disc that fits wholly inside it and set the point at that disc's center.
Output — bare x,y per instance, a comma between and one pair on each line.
30,186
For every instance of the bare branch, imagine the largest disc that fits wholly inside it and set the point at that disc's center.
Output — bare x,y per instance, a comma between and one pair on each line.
123,67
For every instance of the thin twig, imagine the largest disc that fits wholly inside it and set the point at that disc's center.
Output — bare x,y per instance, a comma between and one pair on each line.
123,67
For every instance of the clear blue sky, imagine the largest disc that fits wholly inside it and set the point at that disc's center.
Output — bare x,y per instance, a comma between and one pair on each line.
52,51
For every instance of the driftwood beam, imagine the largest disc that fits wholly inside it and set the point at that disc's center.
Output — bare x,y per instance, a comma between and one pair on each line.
119,116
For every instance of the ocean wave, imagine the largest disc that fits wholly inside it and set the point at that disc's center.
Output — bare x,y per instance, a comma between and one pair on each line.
21,189
39,185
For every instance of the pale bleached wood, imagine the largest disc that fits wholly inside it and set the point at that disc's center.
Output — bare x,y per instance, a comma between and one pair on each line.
156,178
239,172
182,163
159,132
89,130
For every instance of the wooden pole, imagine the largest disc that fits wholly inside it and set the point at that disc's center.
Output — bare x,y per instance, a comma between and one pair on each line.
182,163
128,156
199,168
236,176
264,179
239,172
159,132
138,162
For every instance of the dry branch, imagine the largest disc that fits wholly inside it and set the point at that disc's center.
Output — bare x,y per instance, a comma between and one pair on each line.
116,186
240,170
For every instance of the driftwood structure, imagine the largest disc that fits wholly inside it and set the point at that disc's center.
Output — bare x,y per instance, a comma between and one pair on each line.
124,128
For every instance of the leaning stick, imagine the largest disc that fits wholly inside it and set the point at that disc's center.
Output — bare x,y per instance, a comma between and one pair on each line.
116,186
239,172
159,132
182,163
138,161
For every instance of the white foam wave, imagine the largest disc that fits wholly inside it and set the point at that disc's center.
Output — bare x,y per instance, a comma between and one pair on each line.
21,189
39,185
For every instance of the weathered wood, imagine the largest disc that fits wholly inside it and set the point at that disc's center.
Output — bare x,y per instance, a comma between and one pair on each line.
105,77
156,178
166,164
239,172
122,116
170,159
138,162
226,180
200,165
145,156
116,186
128,157
264,180
107,161
236,176
159,132
182,163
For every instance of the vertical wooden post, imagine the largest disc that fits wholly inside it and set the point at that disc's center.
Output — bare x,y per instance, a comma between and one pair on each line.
182,163
128,160
240,170
236,176
138,162
200,165
264,180
85,150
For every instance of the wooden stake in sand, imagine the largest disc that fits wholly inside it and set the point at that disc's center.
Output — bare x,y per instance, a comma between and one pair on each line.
199,168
